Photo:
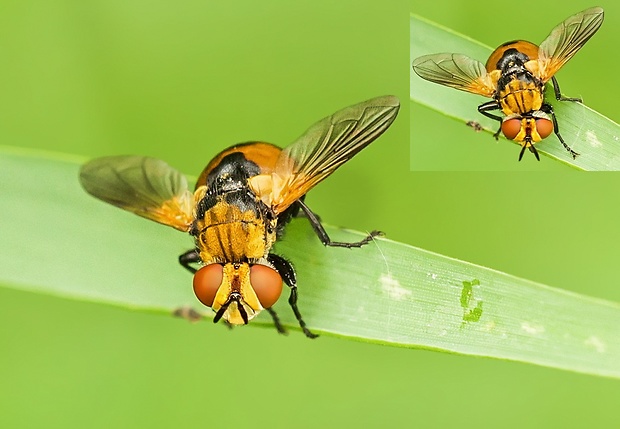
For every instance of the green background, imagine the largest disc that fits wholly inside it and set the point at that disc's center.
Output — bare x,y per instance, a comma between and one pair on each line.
182,82
444,144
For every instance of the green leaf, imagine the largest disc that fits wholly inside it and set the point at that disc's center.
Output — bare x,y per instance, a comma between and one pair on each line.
594,136
58,240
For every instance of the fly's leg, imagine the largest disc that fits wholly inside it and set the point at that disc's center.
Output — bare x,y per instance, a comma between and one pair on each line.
484,109
188,313
320,231
287,272
189,257
276,321
558,94
548,109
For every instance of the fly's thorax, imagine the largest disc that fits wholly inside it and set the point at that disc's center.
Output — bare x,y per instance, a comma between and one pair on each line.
520,96
227,233
231,231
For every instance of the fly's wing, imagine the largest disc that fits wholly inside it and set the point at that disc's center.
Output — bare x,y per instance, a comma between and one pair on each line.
323,148
456,71
566,39
145,186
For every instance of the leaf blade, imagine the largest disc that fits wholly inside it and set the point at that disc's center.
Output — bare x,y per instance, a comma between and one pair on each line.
388,293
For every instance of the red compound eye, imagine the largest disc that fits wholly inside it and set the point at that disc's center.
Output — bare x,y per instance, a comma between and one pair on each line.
511,127
267,284
207,281
544,127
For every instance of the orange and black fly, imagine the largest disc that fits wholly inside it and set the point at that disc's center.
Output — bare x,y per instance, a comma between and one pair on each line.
515,76
241,203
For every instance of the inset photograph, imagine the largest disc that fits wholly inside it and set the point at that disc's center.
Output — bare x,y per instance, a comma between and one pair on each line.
497,97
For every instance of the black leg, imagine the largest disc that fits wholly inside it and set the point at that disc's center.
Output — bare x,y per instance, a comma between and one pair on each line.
558,94
276,321
302,214
320,231
189,257
548,108
292,301
284,268
492,105
287,272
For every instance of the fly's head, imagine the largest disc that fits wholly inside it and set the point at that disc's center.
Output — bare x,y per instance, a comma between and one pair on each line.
237,292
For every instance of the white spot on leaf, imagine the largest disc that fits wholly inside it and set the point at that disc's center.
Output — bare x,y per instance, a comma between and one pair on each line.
532,329
392,287
592,139
489,326
596,343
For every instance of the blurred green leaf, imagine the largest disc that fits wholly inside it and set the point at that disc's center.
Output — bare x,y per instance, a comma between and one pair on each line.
594,136
58,240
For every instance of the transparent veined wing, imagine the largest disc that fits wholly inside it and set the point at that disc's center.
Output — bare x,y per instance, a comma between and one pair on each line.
145,186
323,148
456,71
566,39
